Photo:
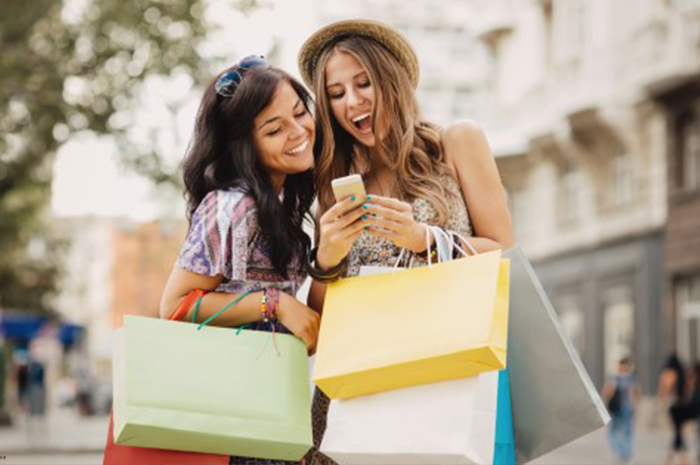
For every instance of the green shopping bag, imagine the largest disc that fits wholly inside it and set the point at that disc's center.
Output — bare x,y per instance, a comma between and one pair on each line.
217,390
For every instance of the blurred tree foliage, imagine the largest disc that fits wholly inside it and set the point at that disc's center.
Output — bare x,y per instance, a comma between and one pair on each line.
66,67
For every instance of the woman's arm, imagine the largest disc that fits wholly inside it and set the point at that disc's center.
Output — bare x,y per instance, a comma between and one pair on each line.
317,295
181,282
467,152
300,319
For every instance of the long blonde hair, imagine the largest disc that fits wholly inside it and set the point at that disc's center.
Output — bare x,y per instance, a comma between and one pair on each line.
410,147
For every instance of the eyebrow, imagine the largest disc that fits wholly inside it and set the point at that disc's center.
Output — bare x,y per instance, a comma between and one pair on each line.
275,118
354,77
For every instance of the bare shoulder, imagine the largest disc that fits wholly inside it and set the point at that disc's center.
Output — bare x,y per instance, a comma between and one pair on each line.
464,140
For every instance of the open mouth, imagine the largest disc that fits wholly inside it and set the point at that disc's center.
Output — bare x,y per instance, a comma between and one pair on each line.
299,148
363,123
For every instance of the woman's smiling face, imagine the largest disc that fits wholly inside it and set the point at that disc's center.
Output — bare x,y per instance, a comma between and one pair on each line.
352,96
284,135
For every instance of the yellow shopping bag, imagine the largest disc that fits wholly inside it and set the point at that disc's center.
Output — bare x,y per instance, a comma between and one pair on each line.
414,326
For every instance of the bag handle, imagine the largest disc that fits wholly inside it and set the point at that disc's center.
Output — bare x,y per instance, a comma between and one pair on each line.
195,297
469,245
190,299
211,318
444,244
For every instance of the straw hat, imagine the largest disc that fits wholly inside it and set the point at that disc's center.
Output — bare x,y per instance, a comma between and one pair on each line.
386,35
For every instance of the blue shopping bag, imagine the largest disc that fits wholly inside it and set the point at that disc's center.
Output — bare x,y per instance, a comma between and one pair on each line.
504,450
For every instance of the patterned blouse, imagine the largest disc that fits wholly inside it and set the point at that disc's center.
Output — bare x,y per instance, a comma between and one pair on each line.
224,239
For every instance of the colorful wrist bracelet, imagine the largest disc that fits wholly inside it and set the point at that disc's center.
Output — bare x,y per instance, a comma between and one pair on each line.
268,304
263,306
273,298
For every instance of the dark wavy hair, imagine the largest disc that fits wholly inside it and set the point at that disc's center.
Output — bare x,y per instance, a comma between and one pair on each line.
222,155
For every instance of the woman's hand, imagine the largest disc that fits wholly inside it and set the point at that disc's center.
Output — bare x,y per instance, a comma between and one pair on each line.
393,220
339,228
301,320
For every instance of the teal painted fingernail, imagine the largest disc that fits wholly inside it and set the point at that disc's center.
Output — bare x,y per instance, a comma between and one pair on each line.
364,217
352,199
366,207
369,197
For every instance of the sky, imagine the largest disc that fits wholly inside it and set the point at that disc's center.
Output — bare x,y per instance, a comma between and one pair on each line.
88,177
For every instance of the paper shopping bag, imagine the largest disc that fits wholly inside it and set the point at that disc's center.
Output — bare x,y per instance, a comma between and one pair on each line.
446,423
217,390
413,326
128,455
554,400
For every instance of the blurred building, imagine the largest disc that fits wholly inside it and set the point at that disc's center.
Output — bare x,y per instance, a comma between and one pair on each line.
679,95
590,160
114,267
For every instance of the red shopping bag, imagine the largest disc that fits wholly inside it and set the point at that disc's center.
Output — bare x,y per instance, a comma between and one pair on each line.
116,454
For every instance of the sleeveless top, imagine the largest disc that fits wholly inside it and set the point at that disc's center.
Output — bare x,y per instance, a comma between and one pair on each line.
370,250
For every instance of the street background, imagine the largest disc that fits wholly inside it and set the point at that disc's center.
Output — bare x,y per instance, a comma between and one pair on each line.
591,107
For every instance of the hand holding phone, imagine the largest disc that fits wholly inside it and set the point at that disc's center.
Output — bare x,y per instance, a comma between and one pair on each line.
349,186
343,223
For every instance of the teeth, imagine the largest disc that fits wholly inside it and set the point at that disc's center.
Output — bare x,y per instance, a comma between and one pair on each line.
360,118
300,148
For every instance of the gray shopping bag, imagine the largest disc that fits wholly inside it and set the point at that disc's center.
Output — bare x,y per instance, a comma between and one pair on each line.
554,400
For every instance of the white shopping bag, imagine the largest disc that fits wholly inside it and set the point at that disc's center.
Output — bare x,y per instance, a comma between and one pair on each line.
445,423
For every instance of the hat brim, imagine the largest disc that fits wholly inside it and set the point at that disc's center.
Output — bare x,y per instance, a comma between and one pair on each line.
386,35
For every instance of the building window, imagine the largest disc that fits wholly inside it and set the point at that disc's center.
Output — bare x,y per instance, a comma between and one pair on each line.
573,320
570,185
548,33
518,205
463,48
571,23
687,292
623,179
618,314
688,161
462,104
579,24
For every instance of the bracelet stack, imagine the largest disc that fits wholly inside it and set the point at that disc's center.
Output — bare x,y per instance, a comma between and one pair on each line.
269,304
325,276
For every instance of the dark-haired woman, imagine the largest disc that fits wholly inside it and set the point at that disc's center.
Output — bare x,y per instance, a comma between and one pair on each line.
673,391
249,188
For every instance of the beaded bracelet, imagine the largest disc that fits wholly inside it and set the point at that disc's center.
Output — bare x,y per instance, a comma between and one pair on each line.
269,303
263,306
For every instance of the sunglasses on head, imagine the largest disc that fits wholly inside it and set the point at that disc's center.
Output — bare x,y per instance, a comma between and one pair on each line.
228,82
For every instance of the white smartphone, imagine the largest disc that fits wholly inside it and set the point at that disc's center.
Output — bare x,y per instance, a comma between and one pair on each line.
349,186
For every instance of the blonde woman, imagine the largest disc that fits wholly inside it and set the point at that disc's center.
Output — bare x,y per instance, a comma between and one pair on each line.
416,174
